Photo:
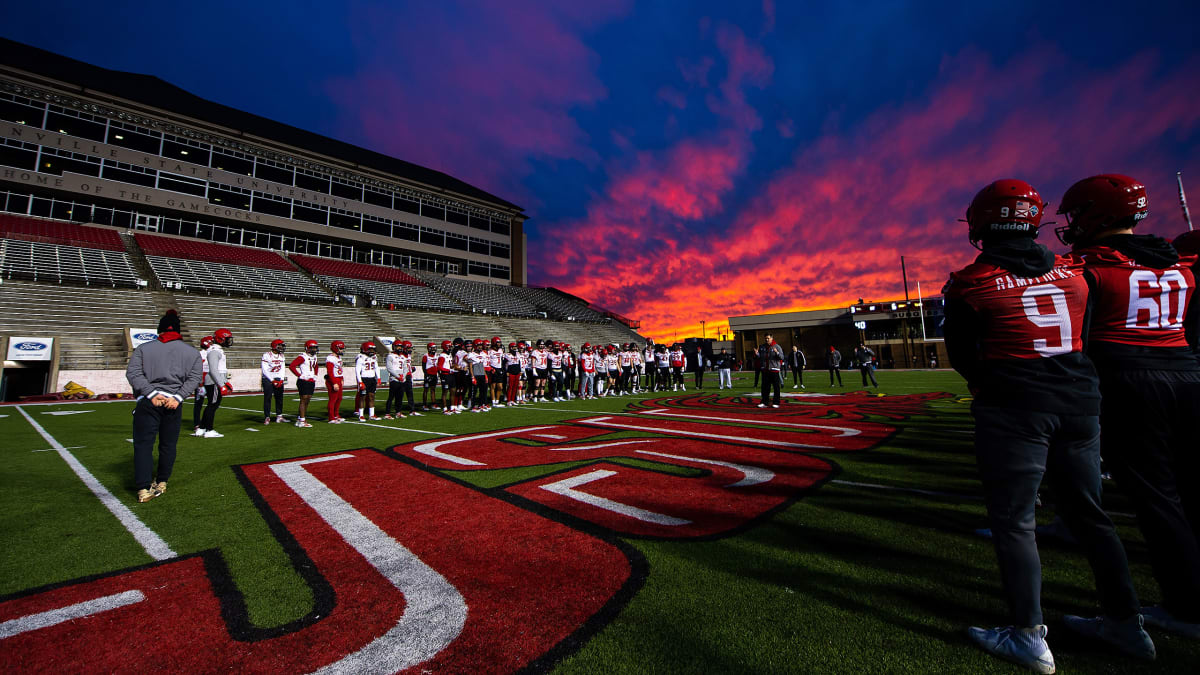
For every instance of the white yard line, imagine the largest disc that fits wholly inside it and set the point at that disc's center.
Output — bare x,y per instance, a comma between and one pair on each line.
151,542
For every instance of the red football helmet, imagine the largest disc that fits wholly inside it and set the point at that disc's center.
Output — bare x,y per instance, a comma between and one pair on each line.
1107,201
1188,243
278,346
223,336
397,346
1007,206
337,347
206,341
496,339
446,344
431,346
407,344
368,347
312,347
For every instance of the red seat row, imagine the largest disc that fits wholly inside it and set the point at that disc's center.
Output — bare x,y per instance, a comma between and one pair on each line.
351,270
57,232
193,249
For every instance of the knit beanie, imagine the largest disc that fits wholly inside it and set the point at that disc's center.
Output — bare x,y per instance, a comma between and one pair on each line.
169,323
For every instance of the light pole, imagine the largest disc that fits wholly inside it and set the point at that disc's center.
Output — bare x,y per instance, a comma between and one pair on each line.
702,334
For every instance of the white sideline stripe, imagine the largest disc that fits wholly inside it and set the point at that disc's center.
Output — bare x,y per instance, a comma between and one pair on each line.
79,610
751,475
151,542
356,423
919,491
599,421
846,431
434,611
566,488
553,437
431,449
573,448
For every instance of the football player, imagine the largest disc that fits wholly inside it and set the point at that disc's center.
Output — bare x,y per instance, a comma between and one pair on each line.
304,367
540,358
398,376
429,366
366,369
651,368
198,408
677,362
662,361
334,378
570,363
272,380
587,372
1144,309
1014,322
216,382
496,375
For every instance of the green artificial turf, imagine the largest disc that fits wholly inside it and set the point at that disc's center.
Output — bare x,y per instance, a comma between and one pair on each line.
846,579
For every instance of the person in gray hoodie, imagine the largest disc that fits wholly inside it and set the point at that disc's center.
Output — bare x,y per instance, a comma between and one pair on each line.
162,373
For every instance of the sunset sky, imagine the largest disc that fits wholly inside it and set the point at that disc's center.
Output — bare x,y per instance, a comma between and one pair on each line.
689,161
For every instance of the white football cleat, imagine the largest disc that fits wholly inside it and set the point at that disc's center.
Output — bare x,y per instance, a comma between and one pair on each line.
212,433
1024,646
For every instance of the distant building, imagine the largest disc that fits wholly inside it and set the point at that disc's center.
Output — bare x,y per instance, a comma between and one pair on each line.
892,329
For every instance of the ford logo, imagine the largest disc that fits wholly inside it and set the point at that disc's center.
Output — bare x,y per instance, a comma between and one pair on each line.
145,336
32,346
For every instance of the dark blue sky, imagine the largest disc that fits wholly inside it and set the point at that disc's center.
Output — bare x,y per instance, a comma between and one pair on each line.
683,161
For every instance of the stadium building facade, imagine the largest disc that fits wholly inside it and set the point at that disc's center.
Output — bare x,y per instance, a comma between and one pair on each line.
86,144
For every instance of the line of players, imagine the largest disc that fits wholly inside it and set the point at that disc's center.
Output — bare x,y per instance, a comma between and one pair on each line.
473,376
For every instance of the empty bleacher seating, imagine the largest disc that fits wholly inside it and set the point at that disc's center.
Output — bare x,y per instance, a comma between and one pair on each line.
58,232
481,297
385,285
88,323
38,261
557,305
219,268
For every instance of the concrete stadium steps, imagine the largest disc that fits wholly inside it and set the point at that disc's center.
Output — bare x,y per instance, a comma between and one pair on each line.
88,322
255,323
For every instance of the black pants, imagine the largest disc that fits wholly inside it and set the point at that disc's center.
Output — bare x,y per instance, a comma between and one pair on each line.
198,408
151,422
397,390
1150,444
569,380
700,378
650,378
868,371
213,393
757,375
271,391
835,370
797,376
770,383
1015,449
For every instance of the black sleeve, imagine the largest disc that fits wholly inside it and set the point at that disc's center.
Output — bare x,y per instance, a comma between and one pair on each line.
962,331
1087,313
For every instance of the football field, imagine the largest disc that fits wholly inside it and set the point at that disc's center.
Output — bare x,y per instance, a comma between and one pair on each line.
671,532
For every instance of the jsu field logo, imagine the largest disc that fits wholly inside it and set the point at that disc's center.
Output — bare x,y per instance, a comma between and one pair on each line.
435,574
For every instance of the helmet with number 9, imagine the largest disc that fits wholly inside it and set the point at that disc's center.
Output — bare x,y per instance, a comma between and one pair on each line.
1004,208
1106,202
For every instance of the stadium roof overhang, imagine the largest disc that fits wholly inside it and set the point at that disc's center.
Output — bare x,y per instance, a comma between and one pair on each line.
815,317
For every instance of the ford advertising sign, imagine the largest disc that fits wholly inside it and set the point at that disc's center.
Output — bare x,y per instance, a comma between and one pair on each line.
140,336
30,348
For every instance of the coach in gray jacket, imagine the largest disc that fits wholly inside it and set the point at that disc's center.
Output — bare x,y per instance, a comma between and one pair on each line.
162,373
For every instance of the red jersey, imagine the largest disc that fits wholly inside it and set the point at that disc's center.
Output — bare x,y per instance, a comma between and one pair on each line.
1025,318
1134,304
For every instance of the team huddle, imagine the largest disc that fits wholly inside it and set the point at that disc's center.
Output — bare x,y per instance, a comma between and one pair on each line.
457,376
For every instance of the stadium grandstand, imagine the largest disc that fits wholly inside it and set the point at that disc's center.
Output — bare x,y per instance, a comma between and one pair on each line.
122,195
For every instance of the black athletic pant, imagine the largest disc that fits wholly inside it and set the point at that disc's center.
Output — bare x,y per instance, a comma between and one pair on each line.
770,383
700,378
151,422
649,378
570,380
1150,445
198,408
868,371
664,377
560,383
797,376
1015,449
271,391
835,370
406,390
213,393
394,394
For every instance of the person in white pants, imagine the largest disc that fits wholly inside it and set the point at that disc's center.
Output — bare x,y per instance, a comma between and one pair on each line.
724,367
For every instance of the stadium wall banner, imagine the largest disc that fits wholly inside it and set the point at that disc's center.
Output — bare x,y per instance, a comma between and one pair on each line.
140,336
30,348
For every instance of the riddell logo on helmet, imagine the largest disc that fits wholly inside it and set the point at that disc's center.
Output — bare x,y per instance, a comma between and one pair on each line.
1010,226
